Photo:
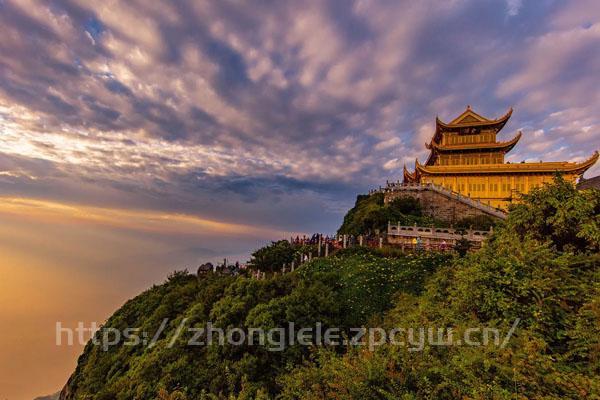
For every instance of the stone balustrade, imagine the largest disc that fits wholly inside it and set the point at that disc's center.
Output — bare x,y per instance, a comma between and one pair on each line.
448,234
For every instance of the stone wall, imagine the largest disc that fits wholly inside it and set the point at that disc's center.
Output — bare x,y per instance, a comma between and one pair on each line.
447,207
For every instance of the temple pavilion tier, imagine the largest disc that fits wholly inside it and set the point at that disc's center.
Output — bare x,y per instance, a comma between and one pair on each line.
466,157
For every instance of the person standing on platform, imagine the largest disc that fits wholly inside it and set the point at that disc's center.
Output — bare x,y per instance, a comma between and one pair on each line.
419,244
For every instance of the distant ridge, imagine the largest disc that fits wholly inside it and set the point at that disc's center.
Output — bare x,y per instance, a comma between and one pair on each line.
54,396
591,183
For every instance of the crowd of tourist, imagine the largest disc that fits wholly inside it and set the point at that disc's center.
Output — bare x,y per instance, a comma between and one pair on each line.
326,245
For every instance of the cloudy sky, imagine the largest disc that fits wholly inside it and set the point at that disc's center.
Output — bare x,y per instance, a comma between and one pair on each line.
176,131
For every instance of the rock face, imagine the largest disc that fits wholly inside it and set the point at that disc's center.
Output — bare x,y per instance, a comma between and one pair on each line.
54,396
205,269
591,183
67,392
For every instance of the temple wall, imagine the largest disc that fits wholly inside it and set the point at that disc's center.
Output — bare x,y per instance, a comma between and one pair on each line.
494,190
476,158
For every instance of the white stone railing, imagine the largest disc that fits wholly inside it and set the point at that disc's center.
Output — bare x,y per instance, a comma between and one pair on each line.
437,233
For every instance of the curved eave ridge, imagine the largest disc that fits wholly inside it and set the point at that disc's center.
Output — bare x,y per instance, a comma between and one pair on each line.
484,122
441,126
436,148
409,177
407,173
431,157
585,165
506,146
578,168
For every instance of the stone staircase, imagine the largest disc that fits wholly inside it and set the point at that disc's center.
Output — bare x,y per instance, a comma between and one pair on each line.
393,190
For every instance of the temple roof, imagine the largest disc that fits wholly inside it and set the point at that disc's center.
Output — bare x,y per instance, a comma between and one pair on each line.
409,176
504,146
571,167
469,119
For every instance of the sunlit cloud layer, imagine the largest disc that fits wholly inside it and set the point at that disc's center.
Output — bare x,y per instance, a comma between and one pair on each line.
142,221
140,136
75,263
276,113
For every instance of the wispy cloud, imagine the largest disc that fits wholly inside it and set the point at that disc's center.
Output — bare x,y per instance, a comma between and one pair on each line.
137,137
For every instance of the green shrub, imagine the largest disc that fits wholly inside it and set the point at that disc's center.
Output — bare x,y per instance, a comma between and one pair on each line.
541,266
370,215
272,257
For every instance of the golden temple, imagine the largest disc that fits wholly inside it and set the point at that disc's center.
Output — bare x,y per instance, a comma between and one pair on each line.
466,157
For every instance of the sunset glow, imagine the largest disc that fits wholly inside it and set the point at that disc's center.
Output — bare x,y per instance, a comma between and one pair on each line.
141,137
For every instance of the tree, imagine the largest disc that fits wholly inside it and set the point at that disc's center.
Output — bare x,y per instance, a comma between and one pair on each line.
479,222
272,257
370,214
560,213
462,246
541,268
406,206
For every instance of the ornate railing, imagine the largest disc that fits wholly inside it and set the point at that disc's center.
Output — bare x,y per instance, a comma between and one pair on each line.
429,232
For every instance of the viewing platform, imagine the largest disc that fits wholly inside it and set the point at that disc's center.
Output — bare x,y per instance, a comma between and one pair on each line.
433,238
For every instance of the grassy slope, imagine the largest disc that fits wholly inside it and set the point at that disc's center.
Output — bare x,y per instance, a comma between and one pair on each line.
343,291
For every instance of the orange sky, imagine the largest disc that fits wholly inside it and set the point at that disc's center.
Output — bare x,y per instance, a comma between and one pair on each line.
247,119
70,263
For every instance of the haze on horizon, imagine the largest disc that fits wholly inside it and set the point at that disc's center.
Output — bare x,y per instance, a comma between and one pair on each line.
142,137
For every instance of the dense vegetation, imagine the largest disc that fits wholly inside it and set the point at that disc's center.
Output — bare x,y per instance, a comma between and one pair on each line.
341,291
541,266
371,215
273,256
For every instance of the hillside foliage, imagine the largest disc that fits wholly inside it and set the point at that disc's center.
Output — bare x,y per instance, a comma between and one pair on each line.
370,214
540,270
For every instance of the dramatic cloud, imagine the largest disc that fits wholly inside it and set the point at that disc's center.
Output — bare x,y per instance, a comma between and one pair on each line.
142,136
276,113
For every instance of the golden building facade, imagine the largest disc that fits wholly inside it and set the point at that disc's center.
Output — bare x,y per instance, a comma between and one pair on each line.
466,157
